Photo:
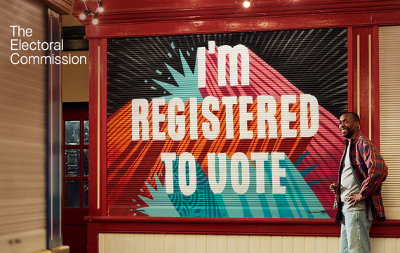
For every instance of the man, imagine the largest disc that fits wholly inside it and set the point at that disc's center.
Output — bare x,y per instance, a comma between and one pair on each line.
358,191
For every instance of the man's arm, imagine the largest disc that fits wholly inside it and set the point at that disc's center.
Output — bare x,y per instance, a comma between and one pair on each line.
377,172
377,169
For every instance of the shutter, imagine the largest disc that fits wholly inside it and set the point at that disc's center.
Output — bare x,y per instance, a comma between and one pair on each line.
146,174
389,106
22,132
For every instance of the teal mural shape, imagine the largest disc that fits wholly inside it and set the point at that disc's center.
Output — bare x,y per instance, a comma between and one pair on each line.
187,83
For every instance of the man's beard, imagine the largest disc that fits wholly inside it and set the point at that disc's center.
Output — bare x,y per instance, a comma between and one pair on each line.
349,133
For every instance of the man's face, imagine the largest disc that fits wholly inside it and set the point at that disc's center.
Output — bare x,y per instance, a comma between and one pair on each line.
348,126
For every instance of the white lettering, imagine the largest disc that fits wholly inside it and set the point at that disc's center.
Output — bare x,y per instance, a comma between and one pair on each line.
187,189
212,133
245,116
240,158
229,102
168,158
287,117
305,100
260,158
137,117
13,44
193,119
178,119
201,61
277,173
157,118
217,188
269,116
233,62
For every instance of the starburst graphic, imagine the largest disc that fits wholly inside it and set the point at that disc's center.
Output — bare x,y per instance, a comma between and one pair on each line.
187,83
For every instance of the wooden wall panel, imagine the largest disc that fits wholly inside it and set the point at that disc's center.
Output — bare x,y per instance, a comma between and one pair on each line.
389,106
222,243
22,134
75,79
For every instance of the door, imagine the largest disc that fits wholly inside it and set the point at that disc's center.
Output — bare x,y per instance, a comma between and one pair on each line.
75,178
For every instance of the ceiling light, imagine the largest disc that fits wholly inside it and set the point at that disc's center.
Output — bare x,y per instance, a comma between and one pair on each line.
246,3
100,8
84,14
95,21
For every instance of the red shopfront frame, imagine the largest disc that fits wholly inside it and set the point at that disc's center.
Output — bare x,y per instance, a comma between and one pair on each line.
362,21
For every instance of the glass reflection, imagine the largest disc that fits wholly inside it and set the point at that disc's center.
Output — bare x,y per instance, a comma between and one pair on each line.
86,162
72,194
86,132
72,132
72,158
85,193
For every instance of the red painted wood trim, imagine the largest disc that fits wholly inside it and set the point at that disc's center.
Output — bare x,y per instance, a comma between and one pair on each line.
242,24
364,80
103,122
92,238
93,111
233,226
350,68
158,10
211,7
353,70
375,90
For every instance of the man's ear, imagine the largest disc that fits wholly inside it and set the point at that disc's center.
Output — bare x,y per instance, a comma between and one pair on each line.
357,123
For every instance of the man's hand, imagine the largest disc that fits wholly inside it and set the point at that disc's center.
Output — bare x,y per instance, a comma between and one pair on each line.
354,199
334,188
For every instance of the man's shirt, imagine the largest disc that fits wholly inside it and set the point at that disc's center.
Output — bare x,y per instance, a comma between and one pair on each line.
349,185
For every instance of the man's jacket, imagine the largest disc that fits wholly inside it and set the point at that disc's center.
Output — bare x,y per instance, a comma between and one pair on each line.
370,171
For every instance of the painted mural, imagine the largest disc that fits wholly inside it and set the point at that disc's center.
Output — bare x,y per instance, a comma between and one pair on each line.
230,125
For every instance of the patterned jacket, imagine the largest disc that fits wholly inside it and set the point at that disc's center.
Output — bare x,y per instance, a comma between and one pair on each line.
370,171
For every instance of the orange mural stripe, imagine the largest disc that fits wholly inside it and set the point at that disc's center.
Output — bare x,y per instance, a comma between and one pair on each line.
201,142
186,139
236,140
296,126
142,153
279,129
123,145
134,166
253,126
114,148
168,144
122,163
128,174
223,139
115,130
220,140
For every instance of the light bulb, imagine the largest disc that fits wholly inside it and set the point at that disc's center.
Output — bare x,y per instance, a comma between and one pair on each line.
95,21
82,16
100,8
246,4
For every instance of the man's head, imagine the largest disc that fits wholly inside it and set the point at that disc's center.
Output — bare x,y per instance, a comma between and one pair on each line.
349,124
